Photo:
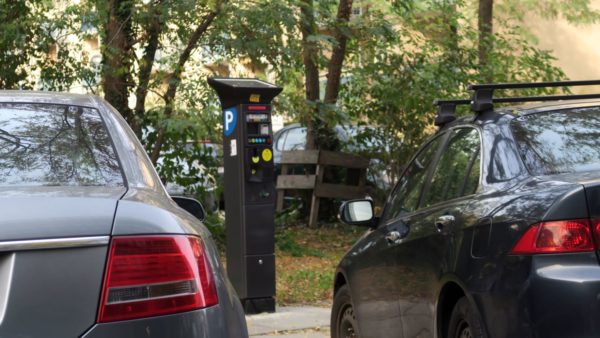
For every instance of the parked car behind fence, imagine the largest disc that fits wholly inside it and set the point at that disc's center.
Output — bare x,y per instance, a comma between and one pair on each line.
354,139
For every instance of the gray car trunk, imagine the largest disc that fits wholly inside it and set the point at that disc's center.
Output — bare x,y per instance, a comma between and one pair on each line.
50,277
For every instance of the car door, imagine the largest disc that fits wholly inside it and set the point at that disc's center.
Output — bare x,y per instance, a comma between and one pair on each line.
372,276
421,256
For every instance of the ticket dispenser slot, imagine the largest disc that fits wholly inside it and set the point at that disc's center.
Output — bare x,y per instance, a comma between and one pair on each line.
249,189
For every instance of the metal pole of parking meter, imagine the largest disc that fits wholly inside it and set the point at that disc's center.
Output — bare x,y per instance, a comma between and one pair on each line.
249,189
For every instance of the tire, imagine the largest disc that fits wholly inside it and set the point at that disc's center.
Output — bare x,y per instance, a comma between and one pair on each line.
465,322
343,319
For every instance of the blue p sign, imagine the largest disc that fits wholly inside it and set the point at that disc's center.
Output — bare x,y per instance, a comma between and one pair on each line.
229,120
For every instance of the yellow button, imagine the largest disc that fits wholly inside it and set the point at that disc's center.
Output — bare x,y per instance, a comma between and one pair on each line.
267,155
255,159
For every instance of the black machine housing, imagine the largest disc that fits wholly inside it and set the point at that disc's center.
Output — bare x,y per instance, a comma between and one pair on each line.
249,189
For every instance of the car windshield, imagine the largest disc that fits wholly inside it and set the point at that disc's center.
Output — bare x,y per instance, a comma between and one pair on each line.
562,141
55,145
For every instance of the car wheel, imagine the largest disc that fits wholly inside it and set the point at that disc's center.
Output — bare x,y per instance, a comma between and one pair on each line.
464,322
343,320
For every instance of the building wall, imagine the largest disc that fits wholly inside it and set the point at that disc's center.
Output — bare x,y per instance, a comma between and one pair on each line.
576,47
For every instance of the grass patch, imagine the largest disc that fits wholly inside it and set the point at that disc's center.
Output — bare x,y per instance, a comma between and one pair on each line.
286,243
306,260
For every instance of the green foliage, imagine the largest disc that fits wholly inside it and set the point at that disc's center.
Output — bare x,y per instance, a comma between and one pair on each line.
400,56
37,50
216,225
289,216
402,67
191,155
18,29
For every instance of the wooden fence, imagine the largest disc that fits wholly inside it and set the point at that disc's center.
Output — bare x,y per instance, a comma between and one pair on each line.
356,166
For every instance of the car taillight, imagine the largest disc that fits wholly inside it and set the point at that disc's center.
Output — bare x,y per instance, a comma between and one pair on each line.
155,275
556,237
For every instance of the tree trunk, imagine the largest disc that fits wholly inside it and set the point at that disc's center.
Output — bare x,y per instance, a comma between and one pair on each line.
449,12
339,52
485,26
311,69
175,79
117,57
153,31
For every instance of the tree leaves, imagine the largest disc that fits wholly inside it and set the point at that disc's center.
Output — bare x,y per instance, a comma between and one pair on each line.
402,54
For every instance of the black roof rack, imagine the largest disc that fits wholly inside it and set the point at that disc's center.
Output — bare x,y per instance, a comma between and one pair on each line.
483,97
446,110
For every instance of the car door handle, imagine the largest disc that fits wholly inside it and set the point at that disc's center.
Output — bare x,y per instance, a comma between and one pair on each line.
393,237
443,223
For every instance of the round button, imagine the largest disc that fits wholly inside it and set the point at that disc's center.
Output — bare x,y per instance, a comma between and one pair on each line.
267,155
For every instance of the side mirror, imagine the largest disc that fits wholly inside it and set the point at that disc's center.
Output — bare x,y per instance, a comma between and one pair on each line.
357,212
190,205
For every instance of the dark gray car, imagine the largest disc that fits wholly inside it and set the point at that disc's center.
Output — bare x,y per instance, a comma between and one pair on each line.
91,245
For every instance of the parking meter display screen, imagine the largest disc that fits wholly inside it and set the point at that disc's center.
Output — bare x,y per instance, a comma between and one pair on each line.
258,145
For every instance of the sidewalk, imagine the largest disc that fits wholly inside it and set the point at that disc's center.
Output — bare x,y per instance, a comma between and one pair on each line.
291,322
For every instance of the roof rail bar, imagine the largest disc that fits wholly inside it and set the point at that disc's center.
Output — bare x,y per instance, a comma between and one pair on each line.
446,110
483,96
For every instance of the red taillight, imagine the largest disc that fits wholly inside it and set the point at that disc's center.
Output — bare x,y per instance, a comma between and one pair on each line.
556,237
596,228
155,275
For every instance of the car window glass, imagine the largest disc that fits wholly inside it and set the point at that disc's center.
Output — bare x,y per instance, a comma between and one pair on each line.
472,179
295,139
405,197
281,140
55,145
457,171
505,164
563,141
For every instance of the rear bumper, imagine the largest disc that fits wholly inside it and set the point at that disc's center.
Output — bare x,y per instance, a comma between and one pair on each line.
545,296
210,322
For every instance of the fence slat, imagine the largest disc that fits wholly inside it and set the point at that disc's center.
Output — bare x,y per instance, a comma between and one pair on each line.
320,158
343,160
296,181
300,157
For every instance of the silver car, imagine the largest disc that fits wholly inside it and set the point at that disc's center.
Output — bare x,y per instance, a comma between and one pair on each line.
91,245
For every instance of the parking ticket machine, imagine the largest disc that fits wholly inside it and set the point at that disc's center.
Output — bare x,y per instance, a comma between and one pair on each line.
249,189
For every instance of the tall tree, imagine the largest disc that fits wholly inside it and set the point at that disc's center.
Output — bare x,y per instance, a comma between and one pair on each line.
310,54
153,29
117,56
175,76
485,27
319,133
340,36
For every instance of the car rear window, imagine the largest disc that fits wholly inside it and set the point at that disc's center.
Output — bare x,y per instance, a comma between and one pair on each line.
561,141
55,145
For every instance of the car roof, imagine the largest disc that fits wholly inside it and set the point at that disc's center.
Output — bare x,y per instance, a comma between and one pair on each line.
27,96
548,106
513,111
